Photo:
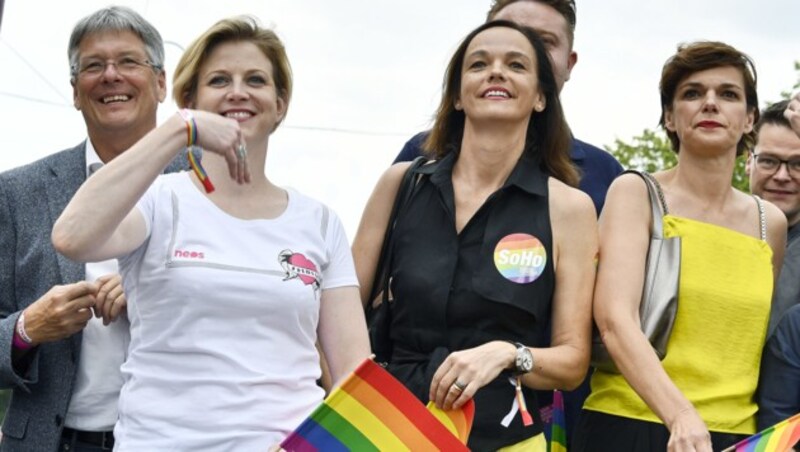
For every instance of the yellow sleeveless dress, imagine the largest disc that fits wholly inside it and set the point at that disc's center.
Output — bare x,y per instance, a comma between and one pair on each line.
715,348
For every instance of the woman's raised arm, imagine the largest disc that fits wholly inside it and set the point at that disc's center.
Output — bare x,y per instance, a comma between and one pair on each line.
99,222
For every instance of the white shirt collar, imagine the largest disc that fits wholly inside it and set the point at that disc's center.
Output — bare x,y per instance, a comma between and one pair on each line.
91,156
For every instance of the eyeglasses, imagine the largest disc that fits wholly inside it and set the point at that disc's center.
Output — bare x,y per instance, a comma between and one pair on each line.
771,164
124,65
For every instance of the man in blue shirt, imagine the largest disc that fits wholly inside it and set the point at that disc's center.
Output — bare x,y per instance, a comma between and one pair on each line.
554,20
774,170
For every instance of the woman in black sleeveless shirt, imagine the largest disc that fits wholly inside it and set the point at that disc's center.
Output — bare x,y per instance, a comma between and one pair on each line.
493,244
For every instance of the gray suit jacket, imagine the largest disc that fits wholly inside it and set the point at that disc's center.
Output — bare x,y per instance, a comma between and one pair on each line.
31,198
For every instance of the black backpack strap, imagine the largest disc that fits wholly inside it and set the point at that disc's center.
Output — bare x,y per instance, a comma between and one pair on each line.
380,282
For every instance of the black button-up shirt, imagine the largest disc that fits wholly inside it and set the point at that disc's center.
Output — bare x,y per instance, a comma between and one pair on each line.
453,291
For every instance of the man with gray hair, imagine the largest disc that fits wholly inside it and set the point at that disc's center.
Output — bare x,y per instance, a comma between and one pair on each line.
61,361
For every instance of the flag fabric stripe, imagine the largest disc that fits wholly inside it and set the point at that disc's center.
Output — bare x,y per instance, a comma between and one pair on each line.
342,429
296,443
312,437
394,419
400,397
446,420
775,442
455,420
557,446
373,411
459,421
786,439
777,438
370,426
558,426
792,435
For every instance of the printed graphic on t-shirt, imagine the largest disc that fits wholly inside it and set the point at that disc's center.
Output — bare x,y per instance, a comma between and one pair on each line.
297,266
188,254
520,258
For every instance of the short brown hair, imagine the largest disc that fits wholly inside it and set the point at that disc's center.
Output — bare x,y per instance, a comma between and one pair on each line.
773,115
700,56
548,138
242,28
566,8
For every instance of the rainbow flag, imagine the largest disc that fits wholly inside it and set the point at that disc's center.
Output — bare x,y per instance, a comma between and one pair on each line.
373,411
778,438
558,429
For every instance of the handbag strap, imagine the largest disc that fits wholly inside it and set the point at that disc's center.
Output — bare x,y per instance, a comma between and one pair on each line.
657,202
762,217
659,205
380,282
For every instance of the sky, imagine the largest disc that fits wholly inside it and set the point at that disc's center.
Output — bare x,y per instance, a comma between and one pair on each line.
368,73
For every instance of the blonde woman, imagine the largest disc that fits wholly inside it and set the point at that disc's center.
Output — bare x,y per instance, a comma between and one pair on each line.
230,288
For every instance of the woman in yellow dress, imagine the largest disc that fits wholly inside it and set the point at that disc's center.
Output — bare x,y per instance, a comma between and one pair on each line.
701,395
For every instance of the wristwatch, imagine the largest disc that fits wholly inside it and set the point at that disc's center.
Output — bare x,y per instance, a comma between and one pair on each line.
523,363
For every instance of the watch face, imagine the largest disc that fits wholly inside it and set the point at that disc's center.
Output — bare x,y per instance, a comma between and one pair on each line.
525,360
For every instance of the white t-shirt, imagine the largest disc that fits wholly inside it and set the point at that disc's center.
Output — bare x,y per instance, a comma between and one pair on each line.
93,404
224,316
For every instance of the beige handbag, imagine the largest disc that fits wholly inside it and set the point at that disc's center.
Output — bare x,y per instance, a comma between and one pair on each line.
659,304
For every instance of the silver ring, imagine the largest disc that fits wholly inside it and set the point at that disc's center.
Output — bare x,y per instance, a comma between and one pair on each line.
241,152
460,386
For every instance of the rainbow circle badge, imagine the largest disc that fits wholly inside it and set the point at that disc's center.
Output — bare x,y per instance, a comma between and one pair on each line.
520,258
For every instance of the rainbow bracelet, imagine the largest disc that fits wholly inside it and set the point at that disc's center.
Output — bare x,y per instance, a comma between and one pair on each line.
191,139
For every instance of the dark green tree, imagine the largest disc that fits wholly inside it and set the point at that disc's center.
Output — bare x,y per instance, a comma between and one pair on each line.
788,94
651,151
